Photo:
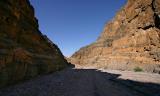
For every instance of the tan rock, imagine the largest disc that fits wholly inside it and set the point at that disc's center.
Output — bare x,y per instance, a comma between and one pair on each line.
130,40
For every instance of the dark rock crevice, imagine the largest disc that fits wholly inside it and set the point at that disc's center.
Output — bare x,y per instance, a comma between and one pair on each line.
133,18
157,21
146,27
156,16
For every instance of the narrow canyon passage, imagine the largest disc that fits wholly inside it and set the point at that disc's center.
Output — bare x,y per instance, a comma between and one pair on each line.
84,82
32,62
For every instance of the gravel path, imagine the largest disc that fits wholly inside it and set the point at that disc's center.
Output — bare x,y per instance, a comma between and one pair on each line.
85,82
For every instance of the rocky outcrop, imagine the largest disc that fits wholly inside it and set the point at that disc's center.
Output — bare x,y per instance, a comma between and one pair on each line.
24,51
130,40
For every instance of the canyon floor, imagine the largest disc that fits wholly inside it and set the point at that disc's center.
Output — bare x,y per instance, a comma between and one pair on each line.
88,82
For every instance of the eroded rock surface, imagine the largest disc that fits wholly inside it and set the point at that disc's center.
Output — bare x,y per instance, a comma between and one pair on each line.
130,40
24,51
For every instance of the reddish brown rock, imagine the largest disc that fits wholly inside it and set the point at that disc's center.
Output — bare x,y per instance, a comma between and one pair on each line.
24,51
130,40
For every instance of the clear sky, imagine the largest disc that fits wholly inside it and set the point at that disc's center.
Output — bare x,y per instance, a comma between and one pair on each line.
72,24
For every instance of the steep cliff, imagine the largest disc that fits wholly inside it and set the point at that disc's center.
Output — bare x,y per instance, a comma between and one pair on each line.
130,40
24,51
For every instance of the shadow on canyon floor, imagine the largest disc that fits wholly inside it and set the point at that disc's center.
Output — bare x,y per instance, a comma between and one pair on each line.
81,82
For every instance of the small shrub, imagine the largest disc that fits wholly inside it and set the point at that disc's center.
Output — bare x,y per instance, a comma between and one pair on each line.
138,69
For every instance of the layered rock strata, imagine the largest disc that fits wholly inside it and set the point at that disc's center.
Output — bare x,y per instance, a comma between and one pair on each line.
130,40
24,51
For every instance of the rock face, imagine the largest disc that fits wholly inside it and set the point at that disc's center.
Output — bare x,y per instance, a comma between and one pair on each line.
130,40
24,51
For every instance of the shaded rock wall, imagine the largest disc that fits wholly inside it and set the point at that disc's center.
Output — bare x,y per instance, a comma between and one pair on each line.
24,51
131,39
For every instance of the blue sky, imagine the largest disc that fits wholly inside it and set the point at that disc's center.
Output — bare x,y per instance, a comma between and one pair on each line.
72,24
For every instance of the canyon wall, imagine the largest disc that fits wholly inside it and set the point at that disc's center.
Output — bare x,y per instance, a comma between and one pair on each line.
130,40
24,51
